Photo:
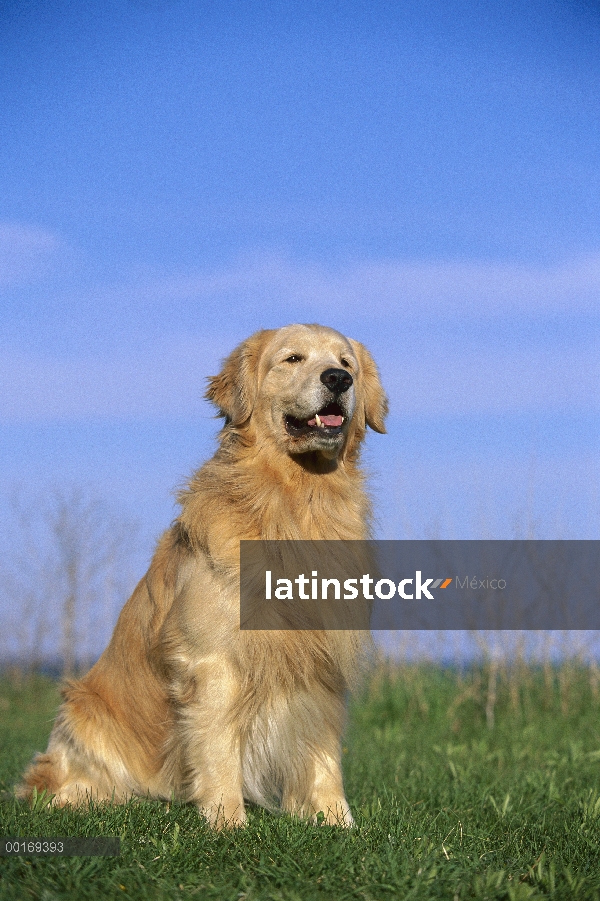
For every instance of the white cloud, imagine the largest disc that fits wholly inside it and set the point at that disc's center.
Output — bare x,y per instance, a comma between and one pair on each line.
442,381
168,380
25,253
385,287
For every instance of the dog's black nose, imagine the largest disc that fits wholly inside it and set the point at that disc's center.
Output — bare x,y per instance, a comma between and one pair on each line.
337,380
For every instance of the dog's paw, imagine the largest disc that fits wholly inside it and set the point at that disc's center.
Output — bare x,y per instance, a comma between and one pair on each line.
337,815
223,815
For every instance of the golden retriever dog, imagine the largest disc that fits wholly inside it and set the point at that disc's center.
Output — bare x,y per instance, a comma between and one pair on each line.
183,703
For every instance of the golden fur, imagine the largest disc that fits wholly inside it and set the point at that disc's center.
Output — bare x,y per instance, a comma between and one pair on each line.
182,702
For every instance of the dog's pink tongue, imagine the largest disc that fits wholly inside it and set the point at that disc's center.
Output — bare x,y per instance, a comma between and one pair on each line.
331,420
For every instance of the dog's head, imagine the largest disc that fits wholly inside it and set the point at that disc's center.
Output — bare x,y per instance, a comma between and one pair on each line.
307,387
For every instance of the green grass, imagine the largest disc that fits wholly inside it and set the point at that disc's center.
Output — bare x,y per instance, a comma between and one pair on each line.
445,806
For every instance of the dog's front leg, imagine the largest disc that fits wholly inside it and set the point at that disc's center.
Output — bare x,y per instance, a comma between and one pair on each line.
319,792
327,794
211,746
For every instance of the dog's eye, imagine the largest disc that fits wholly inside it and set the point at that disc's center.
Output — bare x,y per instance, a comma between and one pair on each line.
345,363
294,358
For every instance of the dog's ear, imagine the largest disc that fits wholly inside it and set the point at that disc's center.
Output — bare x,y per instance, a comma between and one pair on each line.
373,395
234,390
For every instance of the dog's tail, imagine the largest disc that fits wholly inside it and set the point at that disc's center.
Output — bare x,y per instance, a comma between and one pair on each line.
44,775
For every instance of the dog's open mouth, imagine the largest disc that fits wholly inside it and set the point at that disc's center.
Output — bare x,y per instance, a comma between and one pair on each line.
329,420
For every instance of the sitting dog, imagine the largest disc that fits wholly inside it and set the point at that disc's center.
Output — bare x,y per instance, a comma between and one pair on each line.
183,702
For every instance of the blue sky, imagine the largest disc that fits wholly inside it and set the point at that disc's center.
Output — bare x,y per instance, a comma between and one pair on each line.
423,176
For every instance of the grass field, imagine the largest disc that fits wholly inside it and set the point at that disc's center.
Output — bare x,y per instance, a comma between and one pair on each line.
445,806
